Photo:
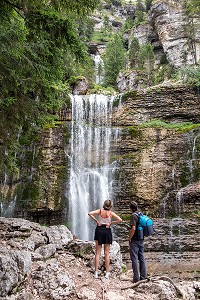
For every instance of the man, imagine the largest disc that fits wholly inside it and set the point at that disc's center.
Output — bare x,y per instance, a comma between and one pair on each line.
136,247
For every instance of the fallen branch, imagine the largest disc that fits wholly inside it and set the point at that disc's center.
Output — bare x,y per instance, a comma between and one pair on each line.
81,286
135,284
103,291
165,278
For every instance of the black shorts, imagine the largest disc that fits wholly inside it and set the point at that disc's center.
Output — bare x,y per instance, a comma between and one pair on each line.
103,235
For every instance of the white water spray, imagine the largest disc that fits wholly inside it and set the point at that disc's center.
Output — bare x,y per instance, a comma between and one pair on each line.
99,68
91,173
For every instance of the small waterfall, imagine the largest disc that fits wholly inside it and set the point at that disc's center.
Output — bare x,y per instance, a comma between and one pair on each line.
179,202
99,68
8,209
175,235
192,154
91,172
32,164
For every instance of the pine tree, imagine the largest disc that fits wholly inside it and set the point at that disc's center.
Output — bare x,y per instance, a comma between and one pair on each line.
148,4
114,60
146,58
134,51
192,10
139,5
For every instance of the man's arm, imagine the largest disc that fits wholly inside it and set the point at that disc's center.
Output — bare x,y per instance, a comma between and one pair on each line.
131,232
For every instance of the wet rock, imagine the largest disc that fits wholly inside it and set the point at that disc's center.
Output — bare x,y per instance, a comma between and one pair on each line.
80,86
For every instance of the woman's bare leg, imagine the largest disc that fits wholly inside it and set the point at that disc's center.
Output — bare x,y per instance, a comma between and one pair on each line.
107,256
97,255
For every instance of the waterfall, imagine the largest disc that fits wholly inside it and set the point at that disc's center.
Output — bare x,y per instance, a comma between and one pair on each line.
99,68
193,141
8,209
179,202
91,172
175,234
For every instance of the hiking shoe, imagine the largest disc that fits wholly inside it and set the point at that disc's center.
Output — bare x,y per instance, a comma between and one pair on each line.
96,275
107,275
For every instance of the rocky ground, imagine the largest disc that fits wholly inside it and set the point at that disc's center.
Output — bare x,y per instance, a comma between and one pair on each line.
38,262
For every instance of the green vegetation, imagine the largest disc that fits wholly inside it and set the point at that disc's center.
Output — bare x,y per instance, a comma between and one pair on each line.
134,131
124,268
134,52
192,7
114,60
131,94
40,49
148,4
179,127
142,58
99,89
192,10
189,75
165,71
126,217
101,36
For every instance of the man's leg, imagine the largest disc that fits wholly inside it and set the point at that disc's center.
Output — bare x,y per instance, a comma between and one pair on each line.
142,263
134,248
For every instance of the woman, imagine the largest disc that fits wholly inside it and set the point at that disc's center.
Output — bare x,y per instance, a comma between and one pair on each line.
103,234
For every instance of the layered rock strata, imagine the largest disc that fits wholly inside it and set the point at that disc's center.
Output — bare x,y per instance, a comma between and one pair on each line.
171,23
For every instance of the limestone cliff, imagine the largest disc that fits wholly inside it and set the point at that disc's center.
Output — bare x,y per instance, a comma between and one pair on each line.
39,192
158,160
172,26
174,35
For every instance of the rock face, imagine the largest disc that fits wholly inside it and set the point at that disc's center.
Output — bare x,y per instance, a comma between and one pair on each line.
175,38
14,267
171,25
159,161
176,103
62,268
29,257
39,193
158,167
81,86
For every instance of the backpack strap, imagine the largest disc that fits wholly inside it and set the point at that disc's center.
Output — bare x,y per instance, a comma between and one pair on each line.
138,214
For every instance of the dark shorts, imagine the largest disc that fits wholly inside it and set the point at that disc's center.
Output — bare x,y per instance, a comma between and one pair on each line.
103,235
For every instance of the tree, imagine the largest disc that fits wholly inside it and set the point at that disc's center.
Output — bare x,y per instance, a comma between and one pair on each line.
36,38
134,52
139,5
192,10
139,17
192,7
146,58
114,60
148,4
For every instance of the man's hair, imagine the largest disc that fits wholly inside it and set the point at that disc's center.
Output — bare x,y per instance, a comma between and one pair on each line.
133,206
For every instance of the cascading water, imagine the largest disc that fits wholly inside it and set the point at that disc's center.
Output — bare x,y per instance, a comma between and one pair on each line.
99,68
91,172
